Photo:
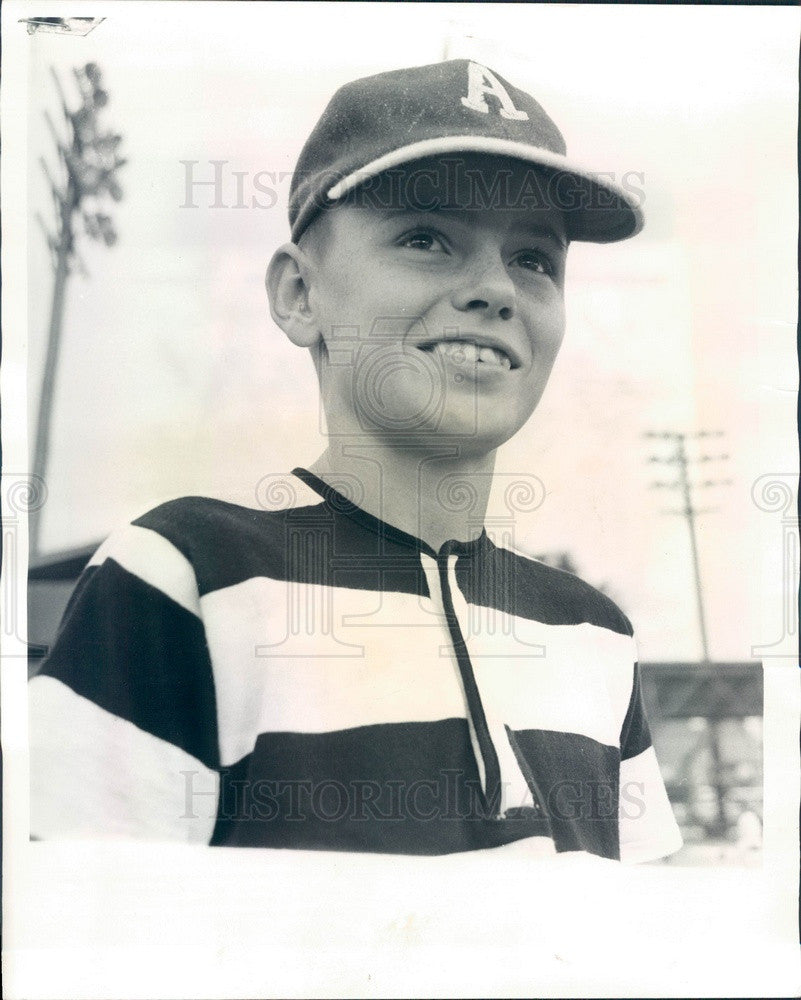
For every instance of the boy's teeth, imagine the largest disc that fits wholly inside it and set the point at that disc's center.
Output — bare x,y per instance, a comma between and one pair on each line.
465,352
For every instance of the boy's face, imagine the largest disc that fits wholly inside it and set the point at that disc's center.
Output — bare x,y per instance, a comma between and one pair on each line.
438,321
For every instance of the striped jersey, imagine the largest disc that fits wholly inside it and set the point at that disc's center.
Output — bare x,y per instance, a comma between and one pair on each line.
302,674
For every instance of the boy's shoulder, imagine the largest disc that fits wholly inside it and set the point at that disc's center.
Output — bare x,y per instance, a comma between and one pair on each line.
555,596
220,538
195,520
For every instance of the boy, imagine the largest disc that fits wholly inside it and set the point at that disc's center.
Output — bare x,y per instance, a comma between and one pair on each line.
352,663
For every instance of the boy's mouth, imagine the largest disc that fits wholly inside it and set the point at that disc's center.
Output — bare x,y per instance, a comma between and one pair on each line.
468,352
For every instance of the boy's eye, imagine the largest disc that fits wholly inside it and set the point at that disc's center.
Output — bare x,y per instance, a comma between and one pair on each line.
422,240
536,260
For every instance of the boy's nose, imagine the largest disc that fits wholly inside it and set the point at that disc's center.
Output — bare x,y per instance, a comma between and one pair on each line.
490,290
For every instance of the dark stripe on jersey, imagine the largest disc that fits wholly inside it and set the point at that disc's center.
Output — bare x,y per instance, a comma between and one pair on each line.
578,779
405,788
137,654
635,735
227,544
510,582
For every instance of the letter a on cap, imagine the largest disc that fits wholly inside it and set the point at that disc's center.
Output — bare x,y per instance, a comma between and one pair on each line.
481,81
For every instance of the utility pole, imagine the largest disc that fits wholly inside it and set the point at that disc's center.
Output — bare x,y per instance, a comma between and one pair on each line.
680,459
88,160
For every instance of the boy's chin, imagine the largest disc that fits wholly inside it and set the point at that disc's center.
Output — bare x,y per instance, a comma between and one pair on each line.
452,438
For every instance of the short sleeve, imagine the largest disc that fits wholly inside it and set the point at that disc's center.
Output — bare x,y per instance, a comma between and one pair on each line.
123,734
648,829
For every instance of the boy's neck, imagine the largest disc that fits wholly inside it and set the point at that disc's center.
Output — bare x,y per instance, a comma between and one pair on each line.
435,497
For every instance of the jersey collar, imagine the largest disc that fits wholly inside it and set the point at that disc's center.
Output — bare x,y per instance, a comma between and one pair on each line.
340,504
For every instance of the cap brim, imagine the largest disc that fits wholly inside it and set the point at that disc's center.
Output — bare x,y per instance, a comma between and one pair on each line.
595,208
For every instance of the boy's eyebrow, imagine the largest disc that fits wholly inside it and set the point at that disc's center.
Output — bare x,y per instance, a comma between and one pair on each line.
544,231
535,229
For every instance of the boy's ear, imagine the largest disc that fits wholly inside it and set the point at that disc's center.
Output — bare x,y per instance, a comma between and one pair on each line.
288,293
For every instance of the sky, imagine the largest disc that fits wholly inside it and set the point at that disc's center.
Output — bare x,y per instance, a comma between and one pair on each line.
173,378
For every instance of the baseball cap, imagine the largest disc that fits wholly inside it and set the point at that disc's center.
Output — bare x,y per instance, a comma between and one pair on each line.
392,119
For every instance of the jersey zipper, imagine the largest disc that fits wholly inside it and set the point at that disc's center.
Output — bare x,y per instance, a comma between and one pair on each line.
489,757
